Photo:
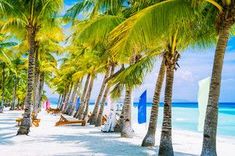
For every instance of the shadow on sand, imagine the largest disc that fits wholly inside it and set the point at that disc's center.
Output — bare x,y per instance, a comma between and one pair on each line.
7,127
97,143
104,144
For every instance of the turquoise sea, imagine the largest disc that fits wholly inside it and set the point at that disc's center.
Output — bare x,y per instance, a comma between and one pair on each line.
185,116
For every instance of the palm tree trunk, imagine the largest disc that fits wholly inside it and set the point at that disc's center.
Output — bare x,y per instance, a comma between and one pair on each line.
26,122
72,99
58,102
101,110
102,104
41,86
3,88
127,131
88,96
63,98
210,125
75,88
78,94
66,102
119,124
36,83
14,93
149,139
82,105
69,103
166,148
94,114
66,93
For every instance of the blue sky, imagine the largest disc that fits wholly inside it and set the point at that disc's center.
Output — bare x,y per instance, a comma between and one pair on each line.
70,2
195,64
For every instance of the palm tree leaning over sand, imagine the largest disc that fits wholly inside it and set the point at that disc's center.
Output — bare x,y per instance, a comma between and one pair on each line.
45,62
32,16
222,15
103,18
99,115
137,24
149,139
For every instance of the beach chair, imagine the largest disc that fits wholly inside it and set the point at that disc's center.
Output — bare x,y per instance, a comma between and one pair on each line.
64,121
104,119
53,110
35,121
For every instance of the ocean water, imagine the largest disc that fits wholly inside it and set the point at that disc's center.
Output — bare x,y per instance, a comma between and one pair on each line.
185,116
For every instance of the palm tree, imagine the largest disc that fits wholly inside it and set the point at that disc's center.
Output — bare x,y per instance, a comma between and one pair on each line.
17,68
95,41
129,78
31,16
88,96
81,107
171,57
92,71
47,67
127,34
104,98
149,139
120,48
3,87
94,8
223,15
4,61
72,101
94,114
127,130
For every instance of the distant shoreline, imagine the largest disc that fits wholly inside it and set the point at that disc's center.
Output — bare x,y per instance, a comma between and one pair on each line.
175,104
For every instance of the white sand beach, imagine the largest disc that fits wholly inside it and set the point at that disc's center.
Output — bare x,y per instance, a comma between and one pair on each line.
74,140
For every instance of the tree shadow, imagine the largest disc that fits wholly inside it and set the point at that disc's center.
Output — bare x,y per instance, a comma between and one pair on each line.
7,127
94,142
5,138
103,144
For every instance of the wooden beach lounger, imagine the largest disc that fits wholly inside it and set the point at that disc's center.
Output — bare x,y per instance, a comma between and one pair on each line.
64,121
104,119
35,121
53,110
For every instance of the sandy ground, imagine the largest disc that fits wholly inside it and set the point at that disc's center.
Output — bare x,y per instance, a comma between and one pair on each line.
48,140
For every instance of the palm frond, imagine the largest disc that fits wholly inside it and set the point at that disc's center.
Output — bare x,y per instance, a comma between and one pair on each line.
134,74
96,30
148,28
116,91
79,7
7,44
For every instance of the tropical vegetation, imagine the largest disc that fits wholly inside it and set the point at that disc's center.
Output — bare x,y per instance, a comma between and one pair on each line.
118,39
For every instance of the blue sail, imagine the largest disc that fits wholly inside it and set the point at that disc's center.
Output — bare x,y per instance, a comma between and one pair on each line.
142,111
77,104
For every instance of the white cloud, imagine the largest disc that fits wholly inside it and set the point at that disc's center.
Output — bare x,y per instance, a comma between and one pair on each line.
184,75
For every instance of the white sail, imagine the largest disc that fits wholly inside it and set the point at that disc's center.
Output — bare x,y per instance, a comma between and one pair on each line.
111,113
203,93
